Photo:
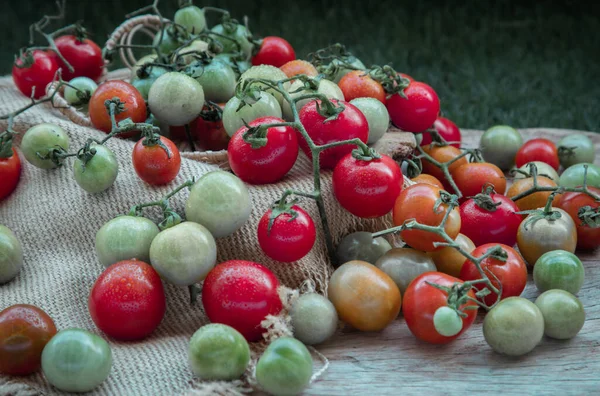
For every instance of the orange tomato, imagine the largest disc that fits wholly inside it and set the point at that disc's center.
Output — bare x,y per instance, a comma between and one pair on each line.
135,106
448,260
442,154
359,84
532,201
471,177
428,179
298,66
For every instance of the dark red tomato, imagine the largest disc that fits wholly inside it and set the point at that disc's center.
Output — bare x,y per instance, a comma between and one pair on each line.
38,74
10,173
483,222
359,84
85,57
470,178
211,135
135,106
421,300
542,150
290,238
241,294
511,273
24,332
127,301
447,130
266,164
571,202
350,123
274,51
418,111
153,164
367,189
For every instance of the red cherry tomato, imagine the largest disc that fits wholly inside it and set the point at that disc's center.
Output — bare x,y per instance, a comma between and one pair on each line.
211,135
274,51
290,238
135,107
367,189
470,178
512,273
127,301
587,237
153,164
10,173
484,222
421,300
542,150
38,74
447,130
24,332
85,56
241,294
349,124
266,164
359,84
418,111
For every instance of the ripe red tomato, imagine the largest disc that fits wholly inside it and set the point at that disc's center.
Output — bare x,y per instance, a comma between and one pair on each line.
24,332
571,202
350,123
127,301
542,150
470,178
298,66
39,74
488,223
274,51
418,111
442,154
211,135
367,189
241,294
447,130
420,302
135,106
152,163
85,57
266,164
512,273
10,173
290,238
359,84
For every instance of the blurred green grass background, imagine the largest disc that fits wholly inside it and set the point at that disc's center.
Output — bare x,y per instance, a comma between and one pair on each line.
526,64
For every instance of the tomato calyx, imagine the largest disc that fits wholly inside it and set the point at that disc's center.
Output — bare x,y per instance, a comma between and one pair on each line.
589,216
458,295
330,60
25,59
365,153
445,198
329,110
484,199
545,213
6,139
211,112
280,207
391,81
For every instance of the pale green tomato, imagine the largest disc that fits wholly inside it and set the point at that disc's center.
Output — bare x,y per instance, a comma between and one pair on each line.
326,87
343,71
499,145
80,90
176,98
285,368
183,254
234,116
563,314
266,72
191,49
192,18
314,319
170,40
447,322
11,255
361,246
559,269
377,116
75,360
125,238
218,81
575,149
405,264
235,40
543,169
144,82
218,353
99,173
573,176
219,201
39,140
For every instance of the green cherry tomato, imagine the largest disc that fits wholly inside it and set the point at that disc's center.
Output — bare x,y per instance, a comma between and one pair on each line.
377,117
125,238
343,71
218,81
192,18
326,87
314,319
236,39
11,255
543,169
499,145
266,72
573,176
219,201
176,98
171,39
192,49
361,246
183,254
39,140
99,173
234,116
80,90
558,269
405,264
218,352
75,360
447,322
575,149
513,327
563,314
285,368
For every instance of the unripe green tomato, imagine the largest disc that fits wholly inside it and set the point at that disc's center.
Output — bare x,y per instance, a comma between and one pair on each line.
218,352
361,246
170,40
285,368
176,98
192,49
377,117
447,322
543,169
314,319
218,81
405,264
558,269
99,173
499,145
326,87
266,72
80,90
234,116
40,139
575,149
192,18
573,176
11,255
235,39
563,314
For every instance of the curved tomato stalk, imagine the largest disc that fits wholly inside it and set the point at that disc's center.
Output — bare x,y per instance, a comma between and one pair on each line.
445,166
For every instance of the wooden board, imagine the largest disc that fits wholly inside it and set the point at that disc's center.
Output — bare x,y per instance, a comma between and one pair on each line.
395,362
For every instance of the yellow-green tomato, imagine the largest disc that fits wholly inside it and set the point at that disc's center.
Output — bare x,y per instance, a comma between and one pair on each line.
266,72
361,246
192,18
218,352
234,114
285,368
11,255
314,319
575,149
75,360
563,314
404,264
326,87
573,176
176,98
558,269
543,169
99,173
39,140
377,117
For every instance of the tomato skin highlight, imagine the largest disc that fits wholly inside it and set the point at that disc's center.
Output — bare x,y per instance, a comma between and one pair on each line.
416,113
587,237
38,75
10,173
135,106
274,51
153,165
540,149
85,57
289,239
359,84
447,130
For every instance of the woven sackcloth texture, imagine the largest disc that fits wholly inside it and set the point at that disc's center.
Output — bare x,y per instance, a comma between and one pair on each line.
56,222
